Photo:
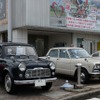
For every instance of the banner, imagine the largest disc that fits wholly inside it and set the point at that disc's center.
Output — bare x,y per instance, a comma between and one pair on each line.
79,14
57,13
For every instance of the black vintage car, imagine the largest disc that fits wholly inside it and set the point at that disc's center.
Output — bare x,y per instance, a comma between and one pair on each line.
20,65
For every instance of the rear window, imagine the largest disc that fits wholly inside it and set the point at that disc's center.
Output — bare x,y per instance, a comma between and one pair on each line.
53,53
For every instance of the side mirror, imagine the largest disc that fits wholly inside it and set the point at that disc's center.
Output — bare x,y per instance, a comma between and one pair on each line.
48,57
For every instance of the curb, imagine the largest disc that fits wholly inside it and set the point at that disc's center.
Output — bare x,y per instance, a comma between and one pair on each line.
83,96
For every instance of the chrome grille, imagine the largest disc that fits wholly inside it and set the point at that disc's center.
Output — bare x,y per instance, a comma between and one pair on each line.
38,73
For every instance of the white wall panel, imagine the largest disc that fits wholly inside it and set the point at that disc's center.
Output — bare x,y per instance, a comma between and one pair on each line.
20,36
18,13
30,13
37,12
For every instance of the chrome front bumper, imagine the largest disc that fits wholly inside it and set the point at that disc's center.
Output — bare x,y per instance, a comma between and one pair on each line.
25,82
95,74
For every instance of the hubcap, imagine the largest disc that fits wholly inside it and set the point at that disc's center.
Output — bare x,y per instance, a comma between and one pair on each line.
82,77
7,83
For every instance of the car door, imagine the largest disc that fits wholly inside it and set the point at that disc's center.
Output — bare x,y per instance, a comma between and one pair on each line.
63,62
74,60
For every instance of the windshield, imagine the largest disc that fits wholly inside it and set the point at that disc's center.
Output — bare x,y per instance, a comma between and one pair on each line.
20,50
78,53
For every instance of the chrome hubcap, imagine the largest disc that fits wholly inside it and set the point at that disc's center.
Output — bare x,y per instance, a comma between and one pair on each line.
7,83
82,77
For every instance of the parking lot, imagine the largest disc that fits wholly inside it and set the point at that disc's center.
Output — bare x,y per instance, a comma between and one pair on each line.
31,93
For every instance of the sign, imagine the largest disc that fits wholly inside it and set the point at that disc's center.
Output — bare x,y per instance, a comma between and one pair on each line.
20,51
81,14
2,9
78,14
57,13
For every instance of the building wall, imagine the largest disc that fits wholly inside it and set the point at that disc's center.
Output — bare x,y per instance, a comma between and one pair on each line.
87,39
20,36
18,13
37,12
27,13
30,13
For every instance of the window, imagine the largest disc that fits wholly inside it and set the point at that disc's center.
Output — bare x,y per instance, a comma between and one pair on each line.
78,53
20,50
63,53
53,53
73,53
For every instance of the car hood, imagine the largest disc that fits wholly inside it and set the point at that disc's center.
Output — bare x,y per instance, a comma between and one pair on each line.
37,62
93,60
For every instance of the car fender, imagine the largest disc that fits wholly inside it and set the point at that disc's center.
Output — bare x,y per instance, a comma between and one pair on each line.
6,70
81,69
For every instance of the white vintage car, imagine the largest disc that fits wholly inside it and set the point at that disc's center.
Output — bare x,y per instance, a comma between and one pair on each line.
66,58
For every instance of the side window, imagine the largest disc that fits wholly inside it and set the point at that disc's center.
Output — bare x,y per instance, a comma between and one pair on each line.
73,53
53,53
96,54
63,54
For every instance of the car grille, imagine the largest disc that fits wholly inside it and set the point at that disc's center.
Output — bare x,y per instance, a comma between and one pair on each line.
38,73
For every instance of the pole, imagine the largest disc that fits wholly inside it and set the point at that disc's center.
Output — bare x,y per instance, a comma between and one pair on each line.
79,85
9,21
79,73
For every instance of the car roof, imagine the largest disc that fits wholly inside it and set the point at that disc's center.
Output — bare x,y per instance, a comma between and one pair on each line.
66,48
13,43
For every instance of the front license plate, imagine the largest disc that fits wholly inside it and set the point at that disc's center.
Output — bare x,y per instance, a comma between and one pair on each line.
40,82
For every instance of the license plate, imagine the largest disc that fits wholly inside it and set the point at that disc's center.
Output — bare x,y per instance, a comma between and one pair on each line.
40,82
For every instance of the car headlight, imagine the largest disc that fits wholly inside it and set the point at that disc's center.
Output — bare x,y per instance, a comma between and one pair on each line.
52,65
22,67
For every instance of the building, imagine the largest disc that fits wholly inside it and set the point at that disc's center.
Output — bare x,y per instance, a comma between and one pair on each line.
49,23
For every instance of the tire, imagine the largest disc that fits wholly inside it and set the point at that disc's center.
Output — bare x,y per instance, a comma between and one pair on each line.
84,76
47,87
9,84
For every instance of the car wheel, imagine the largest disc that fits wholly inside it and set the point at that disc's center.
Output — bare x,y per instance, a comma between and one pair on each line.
8,82
84,76
47,87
